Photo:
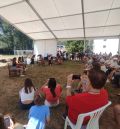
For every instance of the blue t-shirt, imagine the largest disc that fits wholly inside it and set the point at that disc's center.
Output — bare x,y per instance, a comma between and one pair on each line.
37,117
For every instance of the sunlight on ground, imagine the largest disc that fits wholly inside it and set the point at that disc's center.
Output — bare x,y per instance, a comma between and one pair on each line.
2,64
109,45
7,57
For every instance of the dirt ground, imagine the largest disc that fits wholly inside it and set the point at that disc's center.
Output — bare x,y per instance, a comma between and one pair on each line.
9,97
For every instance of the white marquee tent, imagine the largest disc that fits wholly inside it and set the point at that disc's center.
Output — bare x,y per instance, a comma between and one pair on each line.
46,21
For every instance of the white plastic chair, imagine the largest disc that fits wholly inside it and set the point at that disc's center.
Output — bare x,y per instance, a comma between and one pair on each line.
93,122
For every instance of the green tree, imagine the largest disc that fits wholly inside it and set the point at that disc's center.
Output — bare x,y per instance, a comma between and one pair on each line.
75,45
14,39
8,35
22,42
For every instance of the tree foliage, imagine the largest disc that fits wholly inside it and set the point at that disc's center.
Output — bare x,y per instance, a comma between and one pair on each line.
14,39
74,46
77,46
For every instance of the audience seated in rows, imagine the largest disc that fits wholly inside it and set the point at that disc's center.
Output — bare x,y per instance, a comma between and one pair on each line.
92,97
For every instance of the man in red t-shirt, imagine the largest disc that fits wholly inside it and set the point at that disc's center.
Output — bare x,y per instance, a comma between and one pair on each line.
94,98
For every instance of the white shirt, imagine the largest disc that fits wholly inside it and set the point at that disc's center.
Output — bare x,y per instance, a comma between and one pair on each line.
24,96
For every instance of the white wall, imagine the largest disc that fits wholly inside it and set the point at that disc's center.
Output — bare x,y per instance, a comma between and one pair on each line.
45,47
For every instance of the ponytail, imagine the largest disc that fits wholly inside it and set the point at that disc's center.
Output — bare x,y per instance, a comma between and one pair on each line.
52,86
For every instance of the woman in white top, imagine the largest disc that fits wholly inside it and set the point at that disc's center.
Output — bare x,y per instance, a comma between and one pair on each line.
27,94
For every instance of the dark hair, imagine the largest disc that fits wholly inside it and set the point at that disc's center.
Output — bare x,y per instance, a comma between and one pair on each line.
19,59
22,59
52,86
14,61
37,100
2,124
96,66
97,78
28,85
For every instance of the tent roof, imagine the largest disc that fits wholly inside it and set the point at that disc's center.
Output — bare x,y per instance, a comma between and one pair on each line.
63,19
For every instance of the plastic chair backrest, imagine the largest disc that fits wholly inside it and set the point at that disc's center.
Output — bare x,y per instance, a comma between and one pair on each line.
94,118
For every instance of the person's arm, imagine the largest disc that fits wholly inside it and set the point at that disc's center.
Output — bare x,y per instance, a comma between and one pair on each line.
69,84
111,74
30,111
47,115
20,93
41,89
45,84
48,119
40,92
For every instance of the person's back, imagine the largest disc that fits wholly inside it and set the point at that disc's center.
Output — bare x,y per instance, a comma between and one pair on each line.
48,94
38,115
94,98
27,94
52,92
85,102
14,63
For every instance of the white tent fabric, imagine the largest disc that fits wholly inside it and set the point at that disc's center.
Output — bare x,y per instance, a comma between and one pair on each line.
63,19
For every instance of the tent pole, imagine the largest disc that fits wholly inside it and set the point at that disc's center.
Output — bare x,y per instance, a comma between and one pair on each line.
83,18
84,45
119,46
37,14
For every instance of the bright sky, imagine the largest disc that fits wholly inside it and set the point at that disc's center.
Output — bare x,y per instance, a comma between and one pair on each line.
109,45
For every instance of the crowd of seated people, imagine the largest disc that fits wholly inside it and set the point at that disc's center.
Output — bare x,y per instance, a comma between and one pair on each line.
110,65
50,60
90,94
92,97
18,65
75,103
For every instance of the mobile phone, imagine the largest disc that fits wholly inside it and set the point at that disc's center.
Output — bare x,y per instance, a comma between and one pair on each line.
7,121
74,77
